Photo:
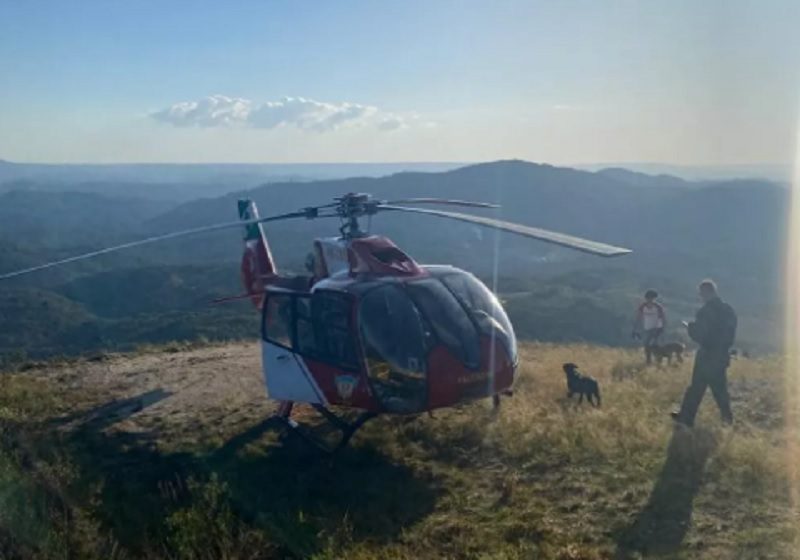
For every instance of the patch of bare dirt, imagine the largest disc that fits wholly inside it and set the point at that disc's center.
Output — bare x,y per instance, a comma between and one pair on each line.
193,394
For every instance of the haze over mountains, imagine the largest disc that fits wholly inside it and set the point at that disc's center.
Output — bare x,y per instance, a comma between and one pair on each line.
186,181
680,231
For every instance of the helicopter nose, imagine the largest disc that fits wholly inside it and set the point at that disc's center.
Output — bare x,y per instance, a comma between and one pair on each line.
451,382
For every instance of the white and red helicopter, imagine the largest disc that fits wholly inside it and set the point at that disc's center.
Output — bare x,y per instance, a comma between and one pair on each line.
369,328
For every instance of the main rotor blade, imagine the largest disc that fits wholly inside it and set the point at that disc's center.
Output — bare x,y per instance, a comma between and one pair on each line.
570,241
448,201
154,239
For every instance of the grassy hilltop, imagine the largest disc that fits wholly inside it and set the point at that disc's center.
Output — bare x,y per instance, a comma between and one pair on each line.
163,454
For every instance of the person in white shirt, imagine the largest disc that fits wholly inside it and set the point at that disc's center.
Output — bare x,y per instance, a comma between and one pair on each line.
649,323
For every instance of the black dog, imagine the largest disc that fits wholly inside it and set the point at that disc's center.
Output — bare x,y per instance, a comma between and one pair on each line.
581,384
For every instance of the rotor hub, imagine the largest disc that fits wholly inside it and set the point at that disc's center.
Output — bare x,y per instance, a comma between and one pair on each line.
350,208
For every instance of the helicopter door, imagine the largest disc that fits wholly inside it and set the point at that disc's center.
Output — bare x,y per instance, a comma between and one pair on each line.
285,373
331,320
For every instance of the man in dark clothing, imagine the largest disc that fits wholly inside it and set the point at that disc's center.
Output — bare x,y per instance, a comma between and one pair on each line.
714,330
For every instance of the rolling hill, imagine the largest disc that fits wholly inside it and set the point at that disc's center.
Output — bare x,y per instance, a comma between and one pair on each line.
733,231
680,222
680,231
57,219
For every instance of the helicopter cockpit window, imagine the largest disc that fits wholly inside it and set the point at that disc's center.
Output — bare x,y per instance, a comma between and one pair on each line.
333,342
393,334
304,327
450,321
484,307
315,326
278,319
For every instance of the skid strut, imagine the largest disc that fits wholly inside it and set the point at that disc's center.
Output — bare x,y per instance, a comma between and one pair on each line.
347,429
496,398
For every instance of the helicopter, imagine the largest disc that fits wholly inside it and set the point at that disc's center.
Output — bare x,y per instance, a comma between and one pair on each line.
369,328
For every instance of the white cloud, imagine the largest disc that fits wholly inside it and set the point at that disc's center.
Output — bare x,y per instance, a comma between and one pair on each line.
391,123
216,110
299,112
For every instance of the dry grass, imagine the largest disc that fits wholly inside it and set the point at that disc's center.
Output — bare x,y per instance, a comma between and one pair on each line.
542,478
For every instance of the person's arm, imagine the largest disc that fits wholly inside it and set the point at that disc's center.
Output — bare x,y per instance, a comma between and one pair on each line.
662,315
699,329
638,319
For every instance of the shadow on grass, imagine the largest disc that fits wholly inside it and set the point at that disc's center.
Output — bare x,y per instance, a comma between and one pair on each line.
659,529
297,495
100,417
301,495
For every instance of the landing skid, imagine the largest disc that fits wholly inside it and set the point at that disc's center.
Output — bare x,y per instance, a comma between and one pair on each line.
347,429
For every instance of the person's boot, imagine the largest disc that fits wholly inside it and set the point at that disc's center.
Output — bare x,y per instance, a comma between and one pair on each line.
676,416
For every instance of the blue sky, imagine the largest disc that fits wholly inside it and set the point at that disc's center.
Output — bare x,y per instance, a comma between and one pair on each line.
563,82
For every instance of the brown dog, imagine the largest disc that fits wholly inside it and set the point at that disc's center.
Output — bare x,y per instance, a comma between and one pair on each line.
661,351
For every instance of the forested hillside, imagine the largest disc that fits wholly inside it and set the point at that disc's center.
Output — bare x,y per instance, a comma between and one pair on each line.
680,232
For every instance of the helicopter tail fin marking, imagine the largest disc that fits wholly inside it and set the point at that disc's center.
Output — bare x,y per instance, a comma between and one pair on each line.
257,261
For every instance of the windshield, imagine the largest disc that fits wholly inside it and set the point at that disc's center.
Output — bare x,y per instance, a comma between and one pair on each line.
450,322
484,307
400,322
393,334
391,328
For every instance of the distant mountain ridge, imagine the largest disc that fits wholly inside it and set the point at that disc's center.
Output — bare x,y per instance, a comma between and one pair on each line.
644,179
733,231
614,205
176,181
56,218
611,205
680,231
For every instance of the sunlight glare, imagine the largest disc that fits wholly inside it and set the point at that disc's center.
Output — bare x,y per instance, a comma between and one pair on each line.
792,329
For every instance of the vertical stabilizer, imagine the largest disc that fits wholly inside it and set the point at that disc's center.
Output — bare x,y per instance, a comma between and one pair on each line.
257,262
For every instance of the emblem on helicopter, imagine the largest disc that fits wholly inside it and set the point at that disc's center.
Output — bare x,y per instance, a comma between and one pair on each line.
345,385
